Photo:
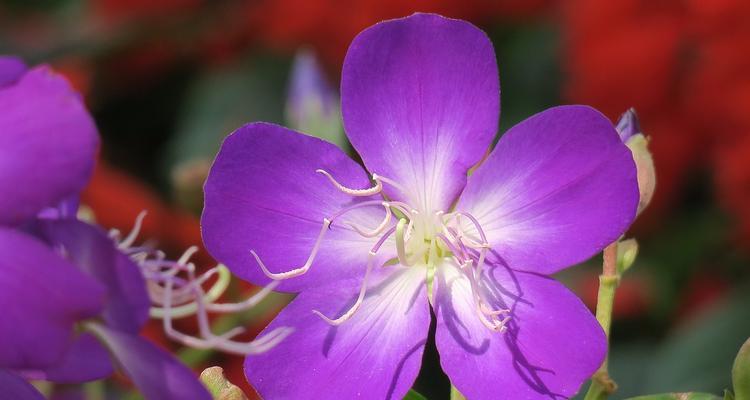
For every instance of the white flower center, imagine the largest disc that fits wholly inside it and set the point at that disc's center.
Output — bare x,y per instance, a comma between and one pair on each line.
427,239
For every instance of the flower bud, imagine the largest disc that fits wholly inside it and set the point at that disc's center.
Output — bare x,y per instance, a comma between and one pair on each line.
312,106
218,385
629,130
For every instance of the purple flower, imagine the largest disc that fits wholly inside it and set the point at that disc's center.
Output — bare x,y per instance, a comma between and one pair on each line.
420,102
69,296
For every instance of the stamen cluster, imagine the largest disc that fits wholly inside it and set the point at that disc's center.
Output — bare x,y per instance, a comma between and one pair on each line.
421,238
176,291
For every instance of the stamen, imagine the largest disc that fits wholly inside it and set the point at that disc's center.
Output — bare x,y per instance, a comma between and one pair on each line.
133,235
355,192
400,243
377,231
363,288
360,298
304,268
457,253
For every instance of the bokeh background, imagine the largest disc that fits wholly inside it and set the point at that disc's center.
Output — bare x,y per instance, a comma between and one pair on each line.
167,80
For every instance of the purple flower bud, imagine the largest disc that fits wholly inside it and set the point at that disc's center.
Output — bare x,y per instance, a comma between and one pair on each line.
312,105
629,129
628,125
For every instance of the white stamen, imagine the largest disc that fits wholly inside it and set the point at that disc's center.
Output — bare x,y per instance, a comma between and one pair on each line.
304,268
355,192
133,235
360,298
377,231
400,243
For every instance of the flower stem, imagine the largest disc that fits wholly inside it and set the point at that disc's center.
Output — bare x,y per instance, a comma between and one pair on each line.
601,383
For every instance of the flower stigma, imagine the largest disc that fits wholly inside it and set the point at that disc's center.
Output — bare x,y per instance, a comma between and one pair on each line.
426,239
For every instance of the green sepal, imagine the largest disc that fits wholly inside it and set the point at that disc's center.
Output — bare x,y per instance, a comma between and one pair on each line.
414,395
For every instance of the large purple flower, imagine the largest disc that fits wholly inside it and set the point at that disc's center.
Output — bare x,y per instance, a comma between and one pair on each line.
420,102
69,296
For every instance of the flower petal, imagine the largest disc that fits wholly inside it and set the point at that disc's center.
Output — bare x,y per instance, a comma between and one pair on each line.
16,388
552,345
263,194
94,253
421,101
155,373
41,296
557,189
11,68
376,354
86,360
47,146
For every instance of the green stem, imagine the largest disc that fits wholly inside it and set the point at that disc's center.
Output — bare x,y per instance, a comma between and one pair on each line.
601,383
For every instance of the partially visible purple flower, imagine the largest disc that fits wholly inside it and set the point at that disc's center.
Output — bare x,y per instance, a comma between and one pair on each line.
369,258
66,290
312,104
48,144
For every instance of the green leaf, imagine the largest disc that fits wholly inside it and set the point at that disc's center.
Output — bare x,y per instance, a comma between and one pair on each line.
413,395
677,396
728,395
741,373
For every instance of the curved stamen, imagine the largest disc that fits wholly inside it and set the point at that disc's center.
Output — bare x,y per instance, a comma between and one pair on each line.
400,243
360,298
377,231
355,192
481,304
363,288
457,253
403,208
128,241
305,267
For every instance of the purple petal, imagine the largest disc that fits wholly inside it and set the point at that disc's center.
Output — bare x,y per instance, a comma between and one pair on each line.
558,188
47,146
42,296
155,373
14,387
263,194
11,68
86,360
421,101
374,355
553,343
94,253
